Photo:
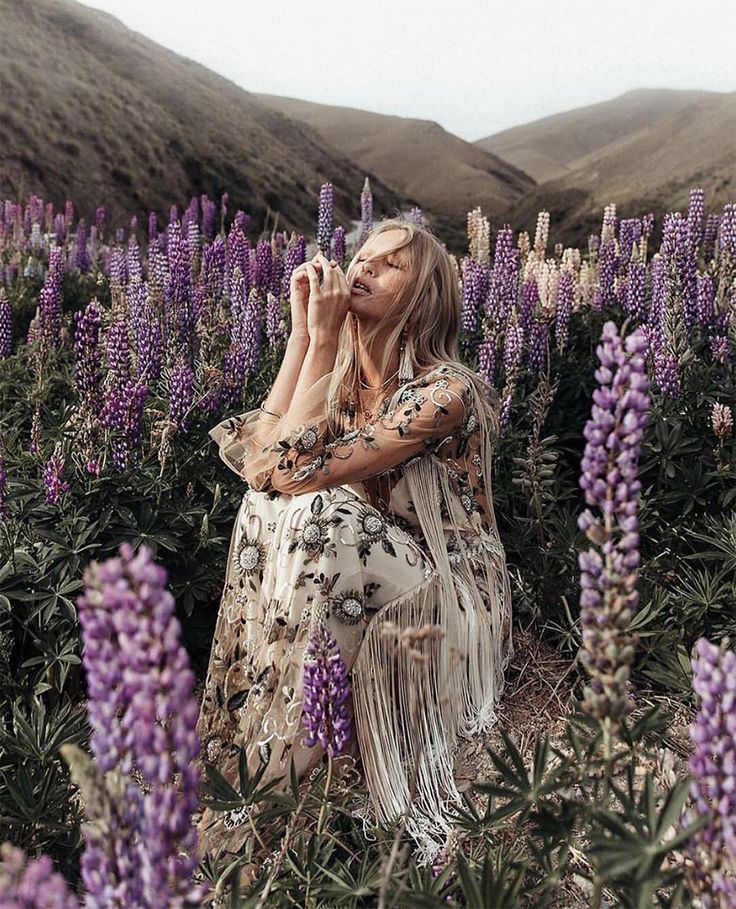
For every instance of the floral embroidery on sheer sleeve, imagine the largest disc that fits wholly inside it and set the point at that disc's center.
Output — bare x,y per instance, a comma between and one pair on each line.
425,416
249,442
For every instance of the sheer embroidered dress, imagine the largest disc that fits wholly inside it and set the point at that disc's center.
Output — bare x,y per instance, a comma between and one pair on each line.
392,522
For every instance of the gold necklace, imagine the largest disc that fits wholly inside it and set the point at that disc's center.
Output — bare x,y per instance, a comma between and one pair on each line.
378,387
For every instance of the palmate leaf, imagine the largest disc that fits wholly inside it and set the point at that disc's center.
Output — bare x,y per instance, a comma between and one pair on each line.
496,888
523,788
630,845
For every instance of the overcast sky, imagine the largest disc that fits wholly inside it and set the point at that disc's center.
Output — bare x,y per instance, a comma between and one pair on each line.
474,66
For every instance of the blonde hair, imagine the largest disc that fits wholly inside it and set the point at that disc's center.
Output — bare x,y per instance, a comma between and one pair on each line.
430,307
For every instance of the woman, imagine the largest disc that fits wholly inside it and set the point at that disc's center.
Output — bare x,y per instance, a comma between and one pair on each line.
370,510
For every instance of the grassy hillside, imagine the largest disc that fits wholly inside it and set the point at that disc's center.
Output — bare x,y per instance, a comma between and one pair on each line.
93,111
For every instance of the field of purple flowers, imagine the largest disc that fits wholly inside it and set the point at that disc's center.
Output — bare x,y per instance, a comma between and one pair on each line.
615,492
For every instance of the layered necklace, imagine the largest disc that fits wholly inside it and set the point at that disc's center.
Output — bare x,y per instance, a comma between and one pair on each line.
368,414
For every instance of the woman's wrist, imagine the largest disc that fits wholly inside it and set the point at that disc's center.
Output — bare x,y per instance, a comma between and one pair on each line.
298,340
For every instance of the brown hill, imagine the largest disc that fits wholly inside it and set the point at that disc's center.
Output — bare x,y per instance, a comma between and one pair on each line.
550,147
95,112
649,169
439,171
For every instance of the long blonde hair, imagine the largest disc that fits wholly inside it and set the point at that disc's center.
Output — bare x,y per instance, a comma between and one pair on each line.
430,306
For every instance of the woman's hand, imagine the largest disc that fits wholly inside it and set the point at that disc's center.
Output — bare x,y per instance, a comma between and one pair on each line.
328,303
299,296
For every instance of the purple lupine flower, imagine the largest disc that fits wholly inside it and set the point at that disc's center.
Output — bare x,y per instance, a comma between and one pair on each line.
118,266
158,266
563,308
366,213
656,318
719,347
604,295
538,339
326,690
325,216
69,213
123,413
513,345
117,349
294,255
88,357
213,269
528,303
629,233
31,884
504,281
679,268
143,714
52,473
512,354
634,303
181,395
179,322
134,268
338,244
6,325
488,358
609,479
149,343
263,267
49,306
713,765
276,330
727,231
712,223
666,367
475,290
193,243
416,215
237,255
695,214
80,256
242,221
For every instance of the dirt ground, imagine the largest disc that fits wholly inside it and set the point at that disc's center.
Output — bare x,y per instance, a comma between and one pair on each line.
539,686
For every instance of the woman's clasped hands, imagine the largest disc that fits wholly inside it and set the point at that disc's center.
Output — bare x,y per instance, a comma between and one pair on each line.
319,310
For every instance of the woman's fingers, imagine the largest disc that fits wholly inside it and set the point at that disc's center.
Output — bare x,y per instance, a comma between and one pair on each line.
313,278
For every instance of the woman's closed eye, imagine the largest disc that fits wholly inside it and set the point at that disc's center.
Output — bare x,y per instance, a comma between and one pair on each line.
392,264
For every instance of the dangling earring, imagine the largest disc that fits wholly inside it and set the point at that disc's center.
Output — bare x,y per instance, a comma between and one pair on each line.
406,370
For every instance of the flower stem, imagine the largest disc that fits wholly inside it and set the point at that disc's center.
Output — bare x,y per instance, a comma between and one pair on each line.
328,783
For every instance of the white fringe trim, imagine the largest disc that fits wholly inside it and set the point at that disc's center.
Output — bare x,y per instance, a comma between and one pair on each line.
415,694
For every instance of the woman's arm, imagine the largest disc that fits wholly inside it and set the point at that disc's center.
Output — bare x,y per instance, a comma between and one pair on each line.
318,362
282,391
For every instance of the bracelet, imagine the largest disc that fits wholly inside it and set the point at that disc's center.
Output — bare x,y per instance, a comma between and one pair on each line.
279,415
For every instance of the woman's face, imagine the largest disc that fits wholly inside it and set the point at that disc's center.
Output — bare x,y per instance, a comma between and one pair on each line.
384,276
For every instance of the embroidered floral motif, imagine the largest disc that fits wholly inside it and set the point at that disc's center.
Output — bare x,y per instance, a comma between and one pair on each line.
307,440
372,526
250,557
349,607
